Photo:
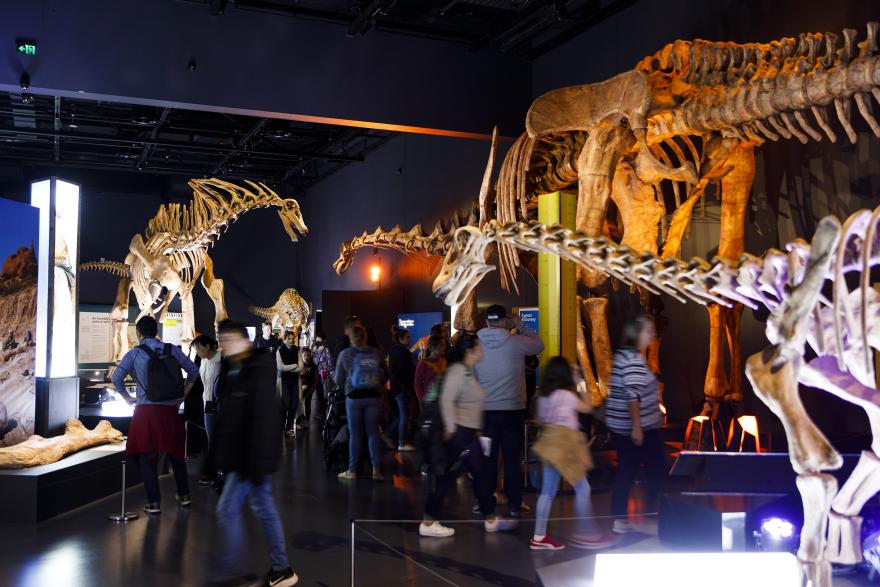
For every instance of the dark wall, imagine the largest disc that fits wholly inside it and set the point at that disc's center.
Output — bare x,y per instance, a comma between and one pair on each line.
795,184
134,51
412,179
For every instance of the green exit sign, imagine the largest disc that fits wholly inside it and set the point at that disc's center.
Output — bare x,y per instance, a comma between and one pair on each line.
26,47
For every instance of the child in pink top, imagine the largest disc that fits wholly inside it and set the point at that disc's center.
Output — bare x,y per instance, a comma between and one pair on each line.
560,404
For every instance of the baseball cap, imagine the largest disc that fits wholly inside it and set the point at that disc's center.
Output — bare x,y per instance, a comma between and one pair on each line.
496,312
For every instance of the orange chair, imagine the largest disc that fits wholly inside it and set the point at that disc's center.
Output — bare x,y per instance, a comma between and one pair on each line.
746,426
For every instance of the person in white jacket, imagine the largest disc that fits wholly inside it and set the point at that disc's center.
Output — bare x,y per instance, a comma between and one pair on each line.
209,370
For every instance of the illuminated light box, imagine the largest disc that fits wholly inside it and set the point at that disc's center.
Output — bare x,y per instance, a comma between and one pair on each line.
674,569
56,338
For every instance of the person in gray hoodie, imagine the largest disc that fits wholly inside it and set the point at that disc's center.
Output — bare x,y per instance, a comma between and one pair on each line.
502,373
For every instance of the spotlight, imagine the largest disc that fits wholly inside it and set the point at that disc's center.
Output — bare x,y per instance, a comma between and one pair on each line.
375,273
871,553
25,82
776,535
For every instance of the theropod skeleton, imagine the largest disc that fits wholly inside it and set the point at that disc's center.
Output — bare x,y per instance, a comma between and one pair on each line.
290,311
172,254
842,329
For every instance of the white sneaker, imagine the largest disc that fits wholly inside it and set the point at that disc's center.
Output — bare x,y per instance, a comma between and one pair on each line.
623,527
435,530
500,524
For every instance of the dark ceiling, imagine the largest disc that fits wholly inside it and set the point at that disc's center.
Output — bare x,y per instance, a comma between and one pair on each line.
62,132
527,27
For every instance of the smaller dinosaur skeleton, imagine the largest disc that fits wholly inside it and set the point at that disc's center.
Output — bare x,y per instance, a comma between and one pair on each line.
173,252
843,332
290,311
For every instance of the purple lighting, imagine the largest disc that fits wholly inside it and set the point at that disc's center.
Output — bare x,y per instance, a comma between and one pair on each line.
777,528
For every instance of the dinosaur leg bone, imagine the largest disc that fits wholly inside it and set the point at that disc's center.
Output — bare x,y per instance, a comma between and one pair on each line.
774,379
816,493
214,287
845,524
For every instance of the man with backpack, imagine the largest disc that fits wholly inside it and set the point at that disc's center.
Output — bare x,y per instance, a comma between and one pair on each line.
156,428
360,371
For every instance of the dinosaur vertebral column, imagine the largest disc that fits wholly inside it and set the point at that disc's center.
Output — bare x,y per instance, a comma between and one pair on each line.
843,332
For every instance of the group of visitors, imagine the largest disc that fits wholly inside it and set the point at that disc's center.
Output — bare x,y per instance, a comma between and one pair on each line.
470,396
243,423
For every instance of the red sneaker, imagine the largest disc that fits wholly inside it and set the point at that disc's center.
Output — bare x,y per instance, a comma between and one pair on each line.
592,541
545,543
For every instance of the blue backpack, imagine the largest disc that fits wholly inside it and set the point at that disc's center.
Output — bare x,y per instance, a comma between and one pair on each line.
366,370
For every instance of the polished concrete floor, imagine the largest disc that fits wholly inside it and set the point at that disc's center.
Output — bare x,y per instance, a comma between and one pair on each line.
82,548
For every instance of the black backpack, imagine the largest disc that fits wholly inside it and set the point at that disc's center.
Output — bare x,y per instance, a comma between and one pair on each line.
164,379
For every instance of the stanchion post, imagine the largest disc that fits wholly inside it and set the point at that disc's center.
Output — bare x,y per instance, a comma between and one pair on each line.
123,516
352,553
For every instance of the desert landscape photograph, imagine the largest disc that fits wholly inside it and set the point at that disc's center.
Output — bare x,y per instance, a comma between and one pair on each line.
18,320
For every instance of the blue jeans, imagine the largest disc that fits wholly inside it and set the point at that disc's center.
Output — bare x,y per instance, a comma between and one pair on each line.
209,427
233,539
363,418
148,463
583,507
402,420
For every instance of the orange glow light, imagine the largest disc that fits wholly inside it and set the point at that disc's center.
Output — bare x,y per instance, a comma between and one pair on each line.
375,273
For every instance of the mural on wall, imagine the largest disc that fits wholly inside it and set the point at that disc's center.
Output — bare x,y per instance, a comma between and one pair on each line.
18,317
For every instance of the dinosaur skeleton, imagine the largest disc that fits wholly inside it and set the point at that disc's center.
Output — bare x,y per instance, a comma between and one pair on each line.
842,331
688,115
290,311
173,252
412,241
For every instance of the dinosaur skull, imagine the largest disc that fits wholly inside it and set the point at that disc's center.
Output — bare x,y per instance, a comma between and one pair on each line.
464,265
346,257
291,217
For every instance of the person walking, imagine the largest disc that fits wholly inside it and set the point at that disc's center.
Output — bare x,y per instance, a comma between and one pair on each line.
249,439
287,362
308,380
632,414
564,453
156,428
461,408
502,372
433,363
208,351
360,370
402,373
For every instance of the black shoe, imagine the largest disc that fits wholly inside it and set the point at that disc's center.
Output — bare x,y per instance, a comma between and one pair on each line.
206,480
184,501
283,578
153,508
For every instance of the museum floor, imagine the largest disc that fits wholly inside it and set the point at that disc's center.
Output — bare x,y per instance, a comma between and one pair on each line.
82,548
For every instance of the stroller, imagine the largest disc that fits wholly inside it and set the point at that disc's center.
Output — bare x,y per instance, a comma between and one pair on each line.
335,431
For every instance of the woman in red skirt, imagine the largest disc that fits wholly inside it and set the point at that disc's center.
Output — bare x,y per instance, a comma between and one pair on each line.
156,428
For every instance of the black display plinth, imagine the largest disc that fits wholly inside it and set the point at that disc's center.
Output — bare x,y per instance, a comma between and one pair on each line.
91,415
39,493
57,401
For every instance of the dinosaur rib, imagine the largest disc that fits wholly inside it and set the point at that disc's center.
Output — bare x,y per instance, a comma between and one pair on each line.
116,268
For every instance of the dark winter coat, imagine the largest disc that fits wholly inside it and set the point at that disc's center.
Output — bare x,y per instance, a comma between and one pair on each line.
248,428
401,369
